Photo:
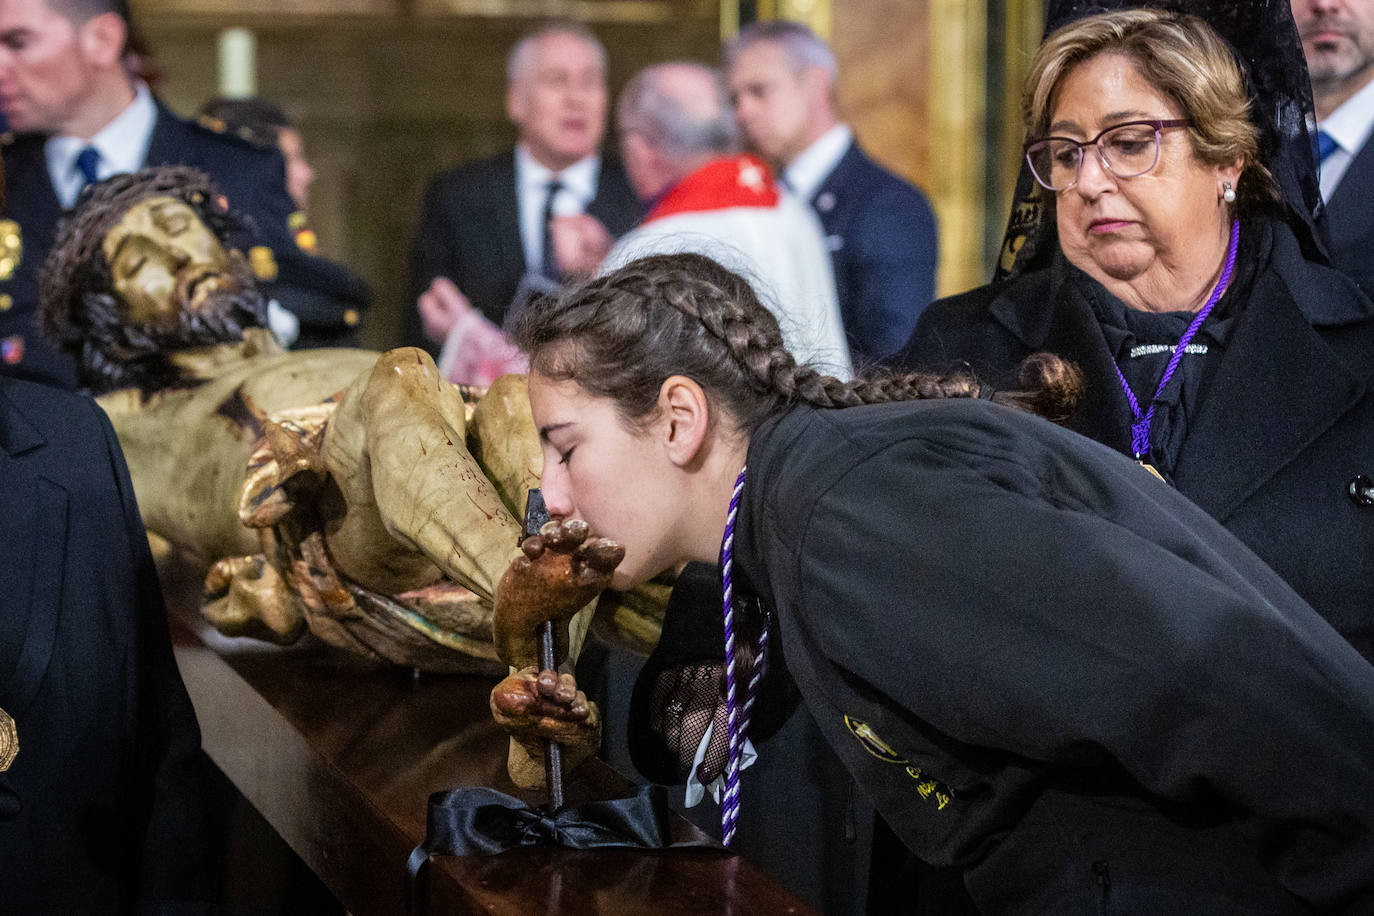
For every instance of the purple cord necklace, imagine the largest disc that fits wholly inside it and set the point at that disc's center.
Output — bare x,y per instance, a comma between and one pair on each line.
737,723
1140,429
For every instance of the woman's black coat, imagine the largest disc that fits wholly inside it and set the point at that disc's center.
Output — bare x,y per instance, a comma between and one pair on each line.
1050,669
1285,426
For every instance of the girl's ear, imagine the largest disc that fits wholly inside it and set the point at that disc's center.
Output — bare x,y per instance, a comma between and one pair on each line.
685,418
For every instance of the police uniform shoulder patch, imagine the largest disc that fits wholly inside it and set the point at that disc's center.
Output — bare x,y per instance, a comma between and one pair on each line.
11,247
240,135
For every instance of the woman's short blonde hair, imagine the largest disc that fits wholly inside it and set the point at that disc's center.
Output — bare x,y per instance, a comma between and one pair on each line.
1184,59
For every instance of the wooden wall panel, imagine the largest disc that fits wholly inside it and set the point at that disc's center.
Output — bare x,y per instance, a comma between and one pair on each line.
919,85
912,83
882,47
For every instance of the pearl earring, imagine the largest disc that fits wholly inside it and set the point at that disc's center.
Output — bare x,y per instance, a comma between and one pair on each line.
1228,193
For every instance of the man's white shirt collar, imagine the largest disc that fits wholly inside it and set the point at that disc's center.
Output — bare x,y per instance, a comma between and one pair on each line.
809,170
122,144
1350,126
532,186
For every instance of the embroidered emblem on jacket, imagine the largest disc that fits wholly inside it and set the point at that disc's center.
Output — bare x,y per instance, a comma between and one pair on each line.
871,742
1025,220
929,789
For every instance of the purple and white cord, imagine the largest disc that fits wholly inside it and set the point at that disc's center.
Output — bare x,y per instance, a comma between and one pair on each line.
737,721
1140,429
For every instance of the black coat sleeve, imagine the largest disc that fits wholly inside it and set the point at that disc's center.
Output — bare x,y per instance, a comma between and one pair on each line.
1069,610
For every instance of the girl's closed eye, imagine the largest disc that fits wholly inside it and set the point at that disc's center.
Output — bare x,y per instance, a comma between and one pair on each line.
564,456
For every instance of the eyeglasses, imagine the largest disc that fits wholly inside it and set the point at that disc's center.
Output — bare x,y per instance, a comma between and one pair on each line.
1126,150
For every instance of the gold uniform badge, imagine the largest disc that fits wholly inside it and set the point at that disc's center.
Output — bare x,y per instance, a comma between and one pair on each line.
263,262
299,224
9,741
11,247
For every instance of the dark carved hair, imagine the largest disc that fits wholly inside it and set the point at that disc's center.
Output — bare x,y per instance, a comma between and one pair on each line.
82,315
620,336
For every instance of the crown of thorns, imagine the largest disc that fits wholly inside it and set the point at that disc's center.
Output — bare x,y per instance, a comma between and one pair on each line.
76,264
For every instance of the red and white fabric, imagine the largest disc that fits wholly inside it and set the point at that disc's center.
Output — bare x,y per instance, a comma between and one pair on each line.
732,210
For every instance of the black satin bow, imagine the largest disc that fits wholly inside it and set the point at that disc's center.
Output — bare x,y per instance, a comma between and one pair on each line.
479,821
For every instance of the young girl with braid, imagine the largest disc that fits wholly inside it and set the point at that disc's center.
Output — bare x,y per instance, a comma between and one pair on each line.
1047,669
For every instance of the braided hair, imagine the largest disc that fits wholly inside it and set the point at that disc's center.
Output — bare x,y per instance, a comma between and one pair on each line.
621,335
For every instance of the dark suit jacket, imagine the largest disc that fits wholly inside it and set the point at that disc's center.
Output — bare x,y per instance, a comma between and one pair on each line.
101,810
253,180
1286,424
884,247
470,232
1350,219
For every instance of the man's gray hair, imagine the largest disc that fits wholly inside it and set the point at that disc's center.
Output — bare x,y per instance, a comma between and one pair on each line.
679,128
520,60
801,47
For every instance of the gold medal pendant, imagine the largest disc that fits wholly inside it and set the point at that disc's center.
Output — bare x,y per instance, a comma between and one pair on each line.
1151,468
9,741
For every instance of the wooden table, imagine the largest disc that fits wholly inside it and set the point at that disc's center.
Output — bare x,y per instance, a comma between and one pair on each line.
340,757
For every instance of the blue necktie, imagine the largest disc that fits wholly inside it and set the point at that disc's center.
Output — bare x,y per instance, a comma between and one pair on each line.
1326,145
88,164
549,268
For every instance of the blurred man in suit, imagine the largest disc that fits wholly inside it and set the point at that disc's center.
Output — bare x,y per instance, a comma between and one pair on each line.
79,115
678,137
880,230
485,231
1338,39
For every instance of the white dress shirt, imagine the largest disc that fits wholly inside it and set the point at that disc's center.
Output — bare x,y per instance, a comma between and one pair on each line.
532,186
1350,126
809,170
122,144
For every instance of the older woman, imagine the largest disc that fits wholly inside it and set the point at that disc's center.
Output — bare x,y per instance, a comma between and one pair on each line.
1213,351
